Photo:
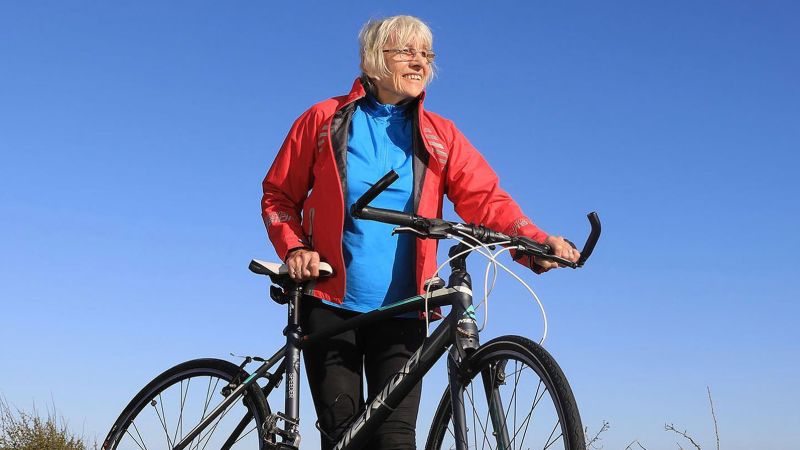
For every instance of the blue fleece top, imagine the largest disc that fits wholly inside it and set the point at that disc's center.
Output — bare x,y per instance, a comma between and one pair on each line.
379,267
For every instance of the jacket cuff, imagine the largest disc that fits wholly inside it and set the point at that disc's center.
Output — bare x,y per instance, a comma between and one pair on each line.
290,250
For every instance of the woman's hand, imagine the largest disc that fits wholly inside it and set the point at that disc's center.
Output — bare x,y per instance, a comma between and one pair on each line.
303,264
561,248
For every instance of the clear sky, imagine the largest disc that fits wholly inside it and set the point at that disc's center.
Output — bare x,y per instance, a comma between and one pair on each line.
134,137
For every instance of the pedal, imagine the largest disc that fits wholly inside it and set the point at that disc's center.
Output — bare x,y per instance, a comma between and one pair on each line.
290,437
280,446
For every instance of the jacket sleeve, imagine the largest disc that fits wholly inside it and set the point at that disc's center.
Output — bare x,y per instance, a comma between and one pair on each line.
475,191
287,184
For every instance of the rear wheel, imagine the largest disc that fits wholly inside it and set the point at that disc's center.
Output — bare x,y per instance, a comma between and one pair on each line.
170,406
515,397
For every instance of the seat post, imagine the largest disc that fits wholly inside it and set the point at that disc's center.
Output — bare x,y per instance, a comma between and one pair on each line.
294,293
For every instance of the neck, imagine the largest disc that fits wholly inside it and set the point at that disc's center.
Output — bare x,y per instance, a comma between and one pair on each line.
388,98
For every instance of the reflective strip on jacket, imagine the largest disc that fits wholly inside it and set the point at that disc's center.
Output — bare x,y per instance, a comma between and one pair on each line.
303,202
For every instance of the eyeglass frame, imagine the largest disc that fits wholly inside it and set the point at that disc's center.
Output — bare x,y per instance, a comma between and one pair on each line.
411,53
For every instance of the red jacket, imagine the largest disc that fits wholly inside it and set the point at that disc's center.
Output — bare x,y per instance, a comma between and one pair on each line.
308,176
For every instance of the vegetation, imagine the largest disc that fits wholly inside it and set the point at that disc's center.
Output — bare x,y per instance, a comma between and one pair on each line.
593,442
20,430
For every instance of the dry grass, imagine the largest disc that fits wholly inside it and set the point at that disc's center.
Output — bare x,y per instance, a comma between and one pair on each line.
22,430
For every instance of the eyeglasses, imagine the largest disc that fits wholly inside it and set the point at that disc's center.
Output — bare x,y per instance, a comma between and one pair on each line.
408,54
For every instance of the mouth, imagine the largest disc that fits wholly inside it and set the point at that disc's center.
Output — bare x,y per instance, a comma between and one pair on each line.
413,76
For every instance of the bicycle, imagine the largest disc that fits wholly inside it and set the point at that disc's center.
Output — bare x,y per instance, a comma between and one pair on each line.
503,381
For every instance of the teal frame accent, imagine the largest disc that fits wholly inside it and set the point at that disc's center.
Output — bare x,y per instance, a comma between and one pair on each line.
401,302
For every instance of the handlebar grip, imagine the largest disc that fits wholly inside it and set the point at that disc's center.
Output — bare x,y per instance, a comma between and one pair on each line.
591,241
386,216
358,207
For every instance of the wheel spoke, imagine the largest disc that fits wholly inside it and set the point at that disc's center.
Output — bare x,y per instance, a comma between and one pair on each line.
517,374
216,424
474,425
245,435
161,418
143,446
551,435
529,417
483,427
179,425
209,395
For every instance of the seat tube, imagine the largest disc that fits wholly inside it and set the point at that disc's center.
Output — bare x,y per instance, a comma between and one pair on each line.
292,360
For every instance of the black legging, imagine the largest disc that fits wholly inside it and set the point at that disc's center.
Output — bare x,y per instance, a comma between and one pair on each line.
335,366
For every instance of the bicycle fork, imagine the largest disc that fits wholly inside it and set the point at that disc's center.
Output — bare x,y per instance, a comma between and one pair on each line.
492,378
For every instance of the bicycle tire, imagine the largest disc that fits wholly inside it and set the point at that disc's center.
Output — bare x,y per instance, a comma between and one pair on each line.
491,357
140,428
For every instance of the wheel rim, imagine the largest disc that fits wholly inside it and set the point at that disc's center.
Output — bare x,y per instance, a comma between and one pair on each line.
171,410
528,415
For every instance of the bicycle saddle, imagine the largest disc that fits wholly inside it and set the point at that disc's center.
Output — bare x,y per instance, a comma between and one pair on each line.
280,270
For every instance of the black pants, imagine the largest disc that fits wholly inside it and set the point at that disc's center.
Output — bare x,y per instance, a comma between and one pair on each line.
336,369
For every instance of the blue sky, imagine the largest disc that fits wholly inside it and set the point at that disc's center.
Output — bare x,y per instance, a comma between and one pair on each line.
134,137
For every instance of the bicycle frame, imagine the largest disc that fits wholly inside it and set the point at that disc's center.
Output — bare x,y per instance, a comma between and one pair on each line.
458,332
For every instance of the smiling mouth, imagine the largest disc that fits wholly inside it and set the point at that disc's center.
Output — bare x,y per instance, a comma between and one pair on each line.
413,76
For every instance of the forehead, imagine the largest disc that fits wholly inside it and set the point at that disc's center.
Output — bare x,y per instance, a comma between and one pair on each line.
413,40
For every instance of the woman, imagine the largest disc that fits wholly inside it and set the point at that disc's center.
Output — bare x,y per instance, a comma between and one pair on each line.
334,152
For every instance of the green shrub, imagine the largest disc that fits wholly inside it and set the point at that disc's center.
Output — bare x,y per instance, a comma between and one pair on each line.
21,430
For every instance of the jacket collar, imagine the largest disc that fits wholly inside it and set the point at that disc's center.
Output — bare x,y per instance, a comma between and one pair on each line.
419,123
359,90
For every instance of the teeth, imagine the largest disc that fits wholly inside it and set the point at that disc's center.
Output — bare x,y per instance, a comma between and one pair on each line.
413,76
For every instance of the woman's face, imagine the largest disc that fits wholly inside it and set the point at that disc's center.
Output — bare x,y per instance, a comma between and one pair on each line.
409,74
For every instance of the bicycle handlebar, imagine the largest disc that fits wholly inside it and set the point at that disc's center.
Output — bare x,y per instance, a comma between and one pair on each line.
439,229
380,186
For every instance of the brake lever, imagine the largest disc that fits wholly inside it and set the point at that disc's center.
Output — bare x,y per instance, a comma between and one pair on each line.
562,261
410,230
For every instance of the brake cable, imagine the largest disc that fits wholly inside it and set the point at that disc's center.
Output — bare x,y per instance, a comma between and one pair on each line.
492,261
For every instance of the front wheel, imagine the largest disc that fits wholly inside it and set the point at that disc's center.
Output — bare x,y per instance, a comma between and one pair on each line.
170,406
515,397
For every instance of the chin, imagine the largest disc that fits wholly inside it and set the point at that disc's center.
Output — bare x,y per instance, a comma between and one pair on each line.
412,91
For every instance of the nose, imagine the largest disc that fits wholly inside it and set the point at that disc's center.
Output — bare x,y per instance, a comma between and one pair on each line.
416,65
419,59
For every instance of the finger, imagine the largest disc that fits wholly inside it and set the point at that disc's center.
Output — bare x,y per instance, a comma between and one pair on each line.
314,265
305,270
563,249
294,265
296,269
557,246
569,252
546,264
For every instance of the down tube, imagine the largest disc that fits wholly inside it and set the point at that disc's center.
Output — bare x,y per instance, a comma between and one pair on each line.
396,389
